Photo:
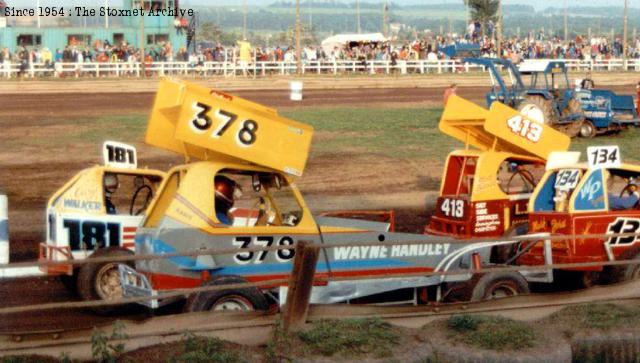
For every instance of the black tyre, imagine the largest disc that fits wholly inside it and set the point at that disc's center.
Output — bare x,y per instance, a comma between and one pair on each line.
71,282
545,105
496,285
574,107
244,299
615,274
588,130
101,281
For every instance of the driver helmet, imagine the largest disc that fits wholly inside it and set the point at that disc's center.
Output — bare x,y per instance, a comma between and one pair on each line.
633,185
111,182
226,192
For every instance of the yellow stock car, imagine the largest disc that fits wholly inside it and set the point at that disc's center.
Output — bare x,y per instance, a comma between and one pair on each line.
261,154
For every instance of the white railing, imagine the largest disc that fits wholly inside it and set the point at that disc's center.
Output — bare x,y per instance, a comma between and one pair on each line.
260,68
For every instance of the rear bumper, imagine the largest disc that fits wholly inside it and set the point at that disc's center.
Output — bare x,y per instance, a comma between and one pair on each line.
448,228
51,253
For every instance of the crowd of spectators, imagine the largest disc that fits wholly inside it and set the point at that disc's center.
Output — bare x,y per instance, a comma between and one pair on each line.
533,45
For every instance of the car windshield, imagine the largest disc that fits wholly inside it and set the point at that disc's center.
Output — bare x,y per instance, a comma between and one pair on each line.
557,189
261,199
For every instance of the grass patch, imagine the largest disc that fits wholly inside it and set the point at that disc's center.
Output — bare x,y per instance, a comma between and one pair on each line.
489,332
627,140
347,338
396,132
399,133
205,350
350,337
596,316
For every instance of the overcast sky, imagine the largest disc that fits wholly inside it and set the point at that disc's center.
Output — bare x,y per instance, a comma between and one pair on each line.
539,4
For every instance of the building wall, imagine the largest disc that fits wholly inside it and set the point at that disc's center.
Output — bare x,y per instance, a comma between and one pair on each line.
58,37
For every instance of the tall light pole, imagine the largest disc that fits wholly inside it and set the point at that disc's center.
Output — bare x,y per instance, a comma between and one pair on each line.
244,20
385,18
358,16
142,40
310,14
566,25
298,42
499,30
624,31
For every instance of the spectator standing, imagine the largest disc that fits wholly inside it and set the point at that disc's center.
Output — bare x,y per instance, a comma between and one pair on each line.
450,91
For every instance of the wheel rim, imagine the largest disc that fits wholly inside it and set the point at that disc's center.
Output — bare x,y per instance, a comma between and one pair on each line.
501,290
232,303
586,130
107,284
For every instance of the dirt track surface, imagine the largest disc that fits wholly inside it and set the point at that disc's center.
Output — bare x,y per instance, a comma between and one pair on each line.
311,81
100,103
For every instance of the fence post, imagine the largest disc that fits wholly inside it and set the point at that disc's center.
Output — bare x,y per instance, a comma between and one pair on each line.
4,229
300,284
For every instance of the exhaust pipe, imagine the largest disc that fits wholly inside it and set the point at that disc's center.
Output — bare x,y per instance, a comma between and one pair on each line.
4,229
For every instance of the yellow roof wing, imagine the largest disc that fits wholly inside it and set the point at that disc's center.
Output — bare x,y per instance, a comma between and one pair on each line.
208,125
500,129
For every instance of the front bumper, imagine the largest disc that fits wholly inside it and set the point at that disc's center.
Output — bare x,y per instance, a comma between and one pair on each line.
136,284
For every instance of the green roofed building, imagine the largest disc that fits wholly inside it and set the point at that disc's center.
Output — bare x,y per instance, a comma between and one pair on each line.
163,22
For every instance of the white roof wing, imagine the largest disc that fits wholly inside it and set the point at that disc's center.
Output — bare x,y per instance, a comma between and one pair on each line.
534,65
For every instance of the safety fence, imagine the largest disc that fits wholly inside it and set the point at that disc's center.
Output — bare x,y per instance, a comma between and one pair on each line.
303,275
267,68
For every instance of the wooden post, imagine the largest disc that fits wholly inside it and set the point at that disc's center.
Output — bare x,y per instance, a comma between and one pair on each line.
300,285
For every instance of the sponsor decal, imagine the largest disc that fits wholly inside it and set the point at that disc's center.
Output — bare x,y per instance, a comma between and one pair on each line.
485,221
376,252
82,205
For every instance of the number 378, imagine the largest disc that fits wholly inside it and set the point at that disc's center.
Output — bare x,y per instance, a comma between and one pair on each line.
201,123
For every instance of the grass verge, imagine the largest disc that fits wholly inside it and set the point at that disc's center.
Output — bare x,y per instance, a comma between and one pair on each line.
596,317
336,338
491,332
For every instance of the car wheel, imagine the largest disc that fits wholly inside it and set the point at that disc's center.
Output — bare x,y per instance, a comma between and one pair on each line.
497,285
101,281
243,299
587,130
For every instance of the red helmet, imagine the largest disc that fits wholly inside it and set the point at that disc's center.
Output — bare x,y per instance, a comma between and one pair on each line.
226,190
